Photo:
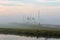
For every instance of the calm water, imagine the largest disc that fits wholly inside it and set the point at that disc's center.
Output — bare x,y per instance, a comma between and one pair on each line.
14,37
50,18
45,18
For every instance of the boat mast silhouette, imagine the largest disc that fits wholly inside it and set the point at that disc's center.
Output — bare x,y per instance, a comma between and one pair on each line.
38,17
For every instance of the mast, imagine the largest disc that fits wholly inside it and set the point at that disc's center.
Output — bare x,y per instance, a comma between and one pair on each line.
38,17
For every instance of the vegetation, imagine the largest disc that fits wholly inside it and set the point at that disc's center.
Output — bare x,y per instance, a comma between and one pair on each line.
32,32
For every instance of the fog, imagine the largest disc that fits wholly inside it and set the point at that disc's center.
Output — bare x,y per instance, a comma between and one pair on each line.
45,18
50,19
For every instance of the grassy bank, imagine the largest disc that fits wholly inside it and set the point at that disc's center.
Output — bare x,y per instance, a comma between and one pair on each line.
32,33
30,30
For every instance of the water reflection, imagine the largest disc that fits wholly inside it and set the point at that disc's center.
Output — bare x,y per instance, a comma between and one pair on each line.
14,37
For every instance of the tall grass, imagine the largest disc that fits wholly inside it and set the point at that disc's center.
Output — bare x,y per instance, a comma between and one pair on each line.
31,33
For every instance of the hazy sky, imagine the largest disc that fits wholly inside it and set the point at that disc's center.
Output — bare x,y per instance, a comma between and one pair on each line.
13,9
25,6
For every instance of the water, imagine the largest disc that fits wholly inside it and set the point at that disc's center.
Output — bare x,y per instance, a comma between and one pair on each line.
50,19
46,17
50,15
14,37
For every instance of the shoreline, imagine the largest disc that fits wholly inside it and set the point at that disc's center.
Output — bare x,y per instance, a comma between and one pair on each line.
31,33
